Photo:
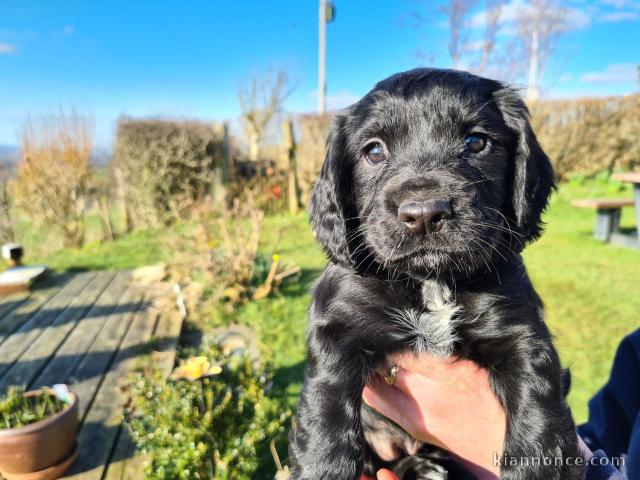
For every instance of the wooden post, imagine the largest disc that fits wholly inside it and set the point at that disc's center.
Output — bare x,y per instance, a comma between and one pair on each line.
289,157
221,173
122,195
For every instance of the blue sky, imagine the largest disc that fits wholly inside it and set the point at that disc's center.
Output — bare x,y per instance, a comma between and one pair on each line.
186,59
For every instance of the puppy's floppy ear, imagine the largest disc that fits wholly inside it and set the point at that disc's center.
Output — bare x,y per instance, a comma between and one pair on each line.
331,206
533,178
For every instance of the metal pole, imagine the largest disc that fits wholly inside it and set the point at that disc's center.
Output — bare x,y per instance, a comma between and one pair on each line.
533,89
322,54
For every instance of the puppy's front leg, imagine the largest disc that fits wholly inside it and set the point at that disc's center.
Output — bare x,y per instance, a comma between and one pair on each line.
348,336
327,442
541,440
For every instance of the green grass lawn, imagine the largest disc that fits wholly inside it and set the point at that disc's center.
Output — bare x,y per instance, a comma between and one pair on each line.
590,289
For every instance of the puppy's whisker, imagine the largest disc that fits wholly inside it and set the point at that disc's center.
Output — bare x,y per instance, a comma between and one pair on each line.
482,106
499,227
483,253
389,257
474,183
501,254
504,219
365,259
508,251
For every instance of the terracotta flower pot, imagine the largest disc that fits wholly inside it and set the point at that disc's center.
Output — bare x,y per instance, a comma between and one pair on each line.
42,450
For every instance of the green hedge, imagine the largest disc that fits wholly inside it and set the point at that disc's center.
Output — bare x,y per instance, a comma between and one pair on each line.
164,167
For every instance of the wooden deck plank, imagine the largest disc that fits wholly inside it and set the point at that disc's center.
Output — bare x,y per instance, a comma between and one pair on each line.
8,303
38,353
124,465
102,422
166,338
51,286
30,330
113,300
100,357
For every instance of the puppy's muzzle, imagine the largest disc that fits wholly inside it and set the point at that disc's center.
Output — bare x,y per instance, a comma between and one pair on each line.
424,217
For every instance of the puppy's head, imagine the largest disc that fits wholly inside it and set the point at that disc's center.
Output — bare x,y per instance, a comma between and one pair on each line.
432,172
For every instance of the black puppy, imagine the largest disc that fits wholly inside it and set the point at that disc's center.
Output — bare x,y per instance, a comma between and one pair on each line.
432,185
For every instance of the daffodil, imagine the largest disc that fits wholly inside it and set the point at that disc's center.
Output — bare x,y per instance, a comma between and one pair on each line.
195,368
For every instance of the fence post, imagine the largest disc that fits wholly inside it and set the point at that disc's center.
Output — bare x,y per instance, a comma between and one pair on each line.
221,173
289,157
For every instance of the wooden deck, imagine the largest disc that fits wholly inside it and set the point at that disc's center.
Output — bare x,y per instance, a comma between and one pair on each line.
87,330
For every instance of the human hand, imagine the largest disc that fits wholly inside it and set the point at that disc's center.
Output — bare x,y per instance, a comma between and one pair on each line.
446,402
382,474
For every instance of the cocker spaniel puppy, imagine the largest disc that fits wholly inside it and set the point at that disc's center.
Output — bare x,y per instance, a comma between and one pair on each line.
432,185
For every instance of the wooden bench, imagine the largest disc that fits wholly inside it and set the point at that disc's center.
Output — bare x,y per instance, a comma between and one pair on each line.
607,214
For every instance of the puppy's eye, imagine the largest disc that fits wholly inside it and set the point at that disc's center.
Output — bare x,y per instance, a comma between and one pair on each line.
375,153
475,142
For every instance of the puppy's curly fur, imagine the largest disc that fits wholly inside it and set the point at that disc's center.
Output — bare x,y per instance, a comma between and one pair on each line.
461,289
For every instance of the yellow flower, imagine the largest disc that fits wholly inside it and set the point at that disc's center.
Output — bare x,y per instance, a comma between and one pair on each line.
195,368
275,257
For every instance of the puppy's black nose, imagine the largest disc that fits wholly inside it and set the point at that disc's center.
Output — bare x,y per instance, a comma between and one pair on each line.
424,217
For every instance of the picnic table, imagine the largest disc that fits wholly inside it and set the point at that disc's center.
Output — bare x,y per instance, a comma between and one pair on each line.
634,178
608,213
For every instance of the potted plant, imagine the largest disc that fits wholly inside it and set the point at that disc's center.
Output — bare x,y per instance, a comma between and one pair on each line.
37,433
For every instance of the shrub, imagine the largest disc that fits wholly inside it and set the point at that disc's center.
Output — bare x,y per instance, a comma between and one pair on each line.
217,427
165,167
583,136
7,233
269,191
216,259
587,136
311,150
53,173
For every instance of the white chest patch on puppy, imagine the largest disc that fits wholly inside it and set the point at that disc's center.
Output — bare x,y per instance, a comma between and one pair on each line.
433,327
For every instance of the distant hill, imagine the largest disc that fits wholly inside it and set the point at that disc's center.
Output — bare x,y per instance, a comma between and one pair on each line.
100,157
9,154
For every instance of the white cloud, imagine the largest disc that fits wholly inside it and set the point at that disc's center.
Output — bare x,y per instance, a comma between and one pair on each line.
619,16
65,31
7,48
575,18
473,46
615,3
509,13
563,94
341,99
337,100
633,4
617,73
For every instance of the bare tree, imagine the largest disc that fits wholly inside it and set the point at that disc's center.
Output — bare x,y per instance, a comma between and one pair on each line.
457,12
259,102
540,23
53,173
465,48
493,15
